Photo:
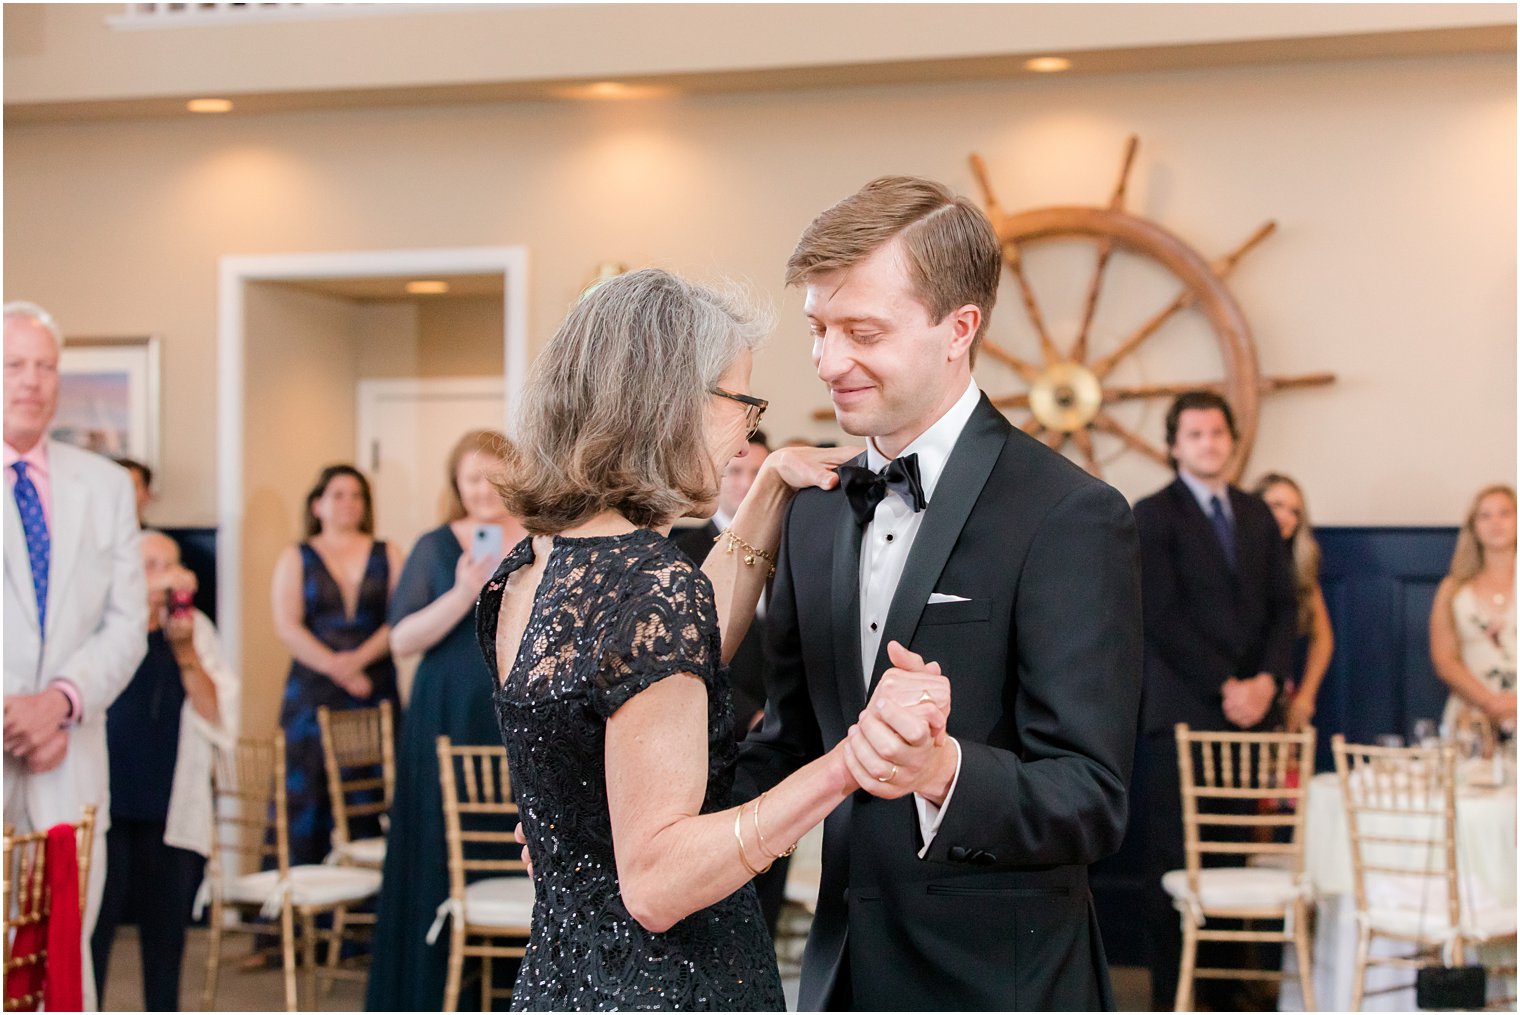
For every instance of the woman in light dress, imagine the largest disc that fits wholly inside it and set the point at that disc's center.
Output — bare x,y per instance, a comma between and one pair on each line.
1472,624
1316,641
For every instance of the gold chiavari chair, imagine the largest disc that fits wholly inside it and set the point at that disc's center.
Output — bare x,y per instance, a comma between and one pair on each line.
26,900
359,756
478,818
1401,813
250,825
1222,775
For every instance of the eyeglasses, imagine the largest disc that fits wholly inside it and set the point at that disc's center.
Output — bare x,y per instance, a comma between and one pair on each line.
754,409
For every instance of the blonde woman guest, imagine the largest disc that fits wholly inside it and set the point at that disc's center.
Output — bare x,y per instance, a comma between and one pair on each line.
1472,624
330,597
1316,641
609,648
433,612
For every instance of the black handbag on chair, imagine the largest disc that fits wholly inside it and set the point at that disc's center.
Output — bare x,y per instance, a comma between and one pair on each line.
1443,988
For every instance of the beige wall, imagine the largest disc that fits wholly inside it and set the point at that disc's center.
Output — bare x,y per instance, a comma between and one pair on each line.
302,360
1392,183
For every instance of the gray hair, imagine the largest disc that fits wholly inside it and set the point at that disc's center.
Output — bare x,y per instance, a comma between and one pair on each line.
31,311
614,409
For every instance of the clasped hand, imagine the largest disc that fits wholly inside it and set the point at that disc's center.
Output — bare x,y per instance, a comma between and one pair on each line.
899,746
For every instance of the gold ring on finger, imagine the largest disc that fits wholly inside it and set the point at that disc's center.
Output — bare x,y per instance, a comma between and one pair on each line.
889,776
926,696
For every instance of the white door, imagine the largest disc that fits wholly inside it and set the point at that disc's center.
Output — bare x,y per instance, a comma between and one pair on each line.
406,429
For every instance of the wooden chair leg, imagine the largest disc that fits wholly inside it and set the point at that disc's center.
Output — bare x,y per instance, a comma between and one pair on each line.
1301,944
1184,1000
456,966
213,957
1359,983
288,953
485,983
335,944
309,957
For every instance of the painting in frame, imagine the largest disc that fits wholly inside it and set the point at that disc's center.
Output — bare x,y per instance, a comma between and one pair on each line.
108,397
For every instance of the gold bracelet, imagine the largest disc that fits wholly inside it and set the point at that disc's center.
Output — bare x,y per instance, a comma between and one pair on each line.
764,849
750,552
739,838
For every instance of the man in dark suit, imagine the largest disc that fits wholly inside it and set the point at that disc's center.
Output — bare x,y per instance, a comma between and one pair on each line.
1220,618
959,881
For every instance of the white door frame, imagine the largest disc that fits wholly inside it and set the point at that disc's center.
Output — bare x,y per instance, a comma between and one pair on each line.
233,274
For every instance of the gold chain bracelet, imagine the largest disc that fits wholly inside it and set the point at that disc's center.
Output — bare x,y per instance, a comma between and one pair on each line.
764,849
750,552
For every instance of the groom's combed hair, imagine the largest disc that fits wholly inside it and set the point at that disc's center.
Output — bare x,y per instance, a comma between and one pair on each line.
613,413
952,250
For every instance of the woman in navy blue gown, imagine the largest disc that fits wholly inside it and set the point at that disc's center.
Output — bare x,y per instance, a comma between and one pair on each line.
432,612
330,598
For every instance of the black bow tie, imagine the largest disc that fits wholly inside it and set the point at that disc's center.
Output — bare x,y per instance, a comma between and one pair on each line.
866,489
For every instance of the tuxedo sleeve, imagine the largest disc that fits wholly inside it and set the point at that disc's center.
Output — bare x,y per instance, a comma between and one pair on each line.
1188,651
788,737
1076,643
103,665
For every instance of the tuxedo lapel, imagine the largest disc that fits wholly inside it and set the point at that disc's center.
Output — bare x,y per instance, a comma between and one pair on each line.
18,567
70,500
845,606
966,472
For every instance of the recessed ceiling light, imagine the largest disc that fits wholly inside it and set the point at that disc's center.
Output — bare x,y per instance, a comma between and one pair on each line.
427,287
613,90
209,105
1047,64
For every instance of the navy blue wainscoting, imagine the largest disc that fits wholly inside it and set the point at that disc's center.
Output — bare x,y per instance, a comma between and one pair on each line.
1379,585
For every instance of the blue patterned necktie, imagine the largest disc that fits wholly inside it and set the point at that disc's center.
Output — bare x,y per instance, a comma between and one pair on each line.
1223,528
38,546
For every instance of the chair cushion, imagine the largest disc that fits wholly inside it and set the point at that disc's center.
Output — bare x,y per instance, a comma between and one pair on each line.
311,885
1235,887
364,852
1480,925
499,902
1417,905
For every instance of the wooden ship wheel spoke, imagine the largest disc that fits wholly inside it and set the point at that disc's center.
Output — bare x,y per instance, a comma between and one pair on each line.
1068,394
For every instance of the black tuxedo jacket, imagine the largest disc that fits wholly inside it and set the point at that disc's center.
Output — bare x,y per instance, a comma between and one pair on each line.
746,670
1044,665
1203,622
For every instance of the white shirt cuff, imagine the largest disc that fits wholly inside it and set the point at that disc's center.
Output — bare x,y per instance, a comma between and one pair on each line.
929,815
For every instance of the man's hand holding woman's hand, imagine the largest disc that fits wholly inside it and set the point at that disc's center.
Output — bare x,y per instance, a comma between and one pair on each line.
899,745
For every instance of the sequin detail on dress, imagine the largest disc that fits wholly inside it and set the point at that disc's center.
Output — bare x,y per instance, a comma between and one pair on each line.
612,616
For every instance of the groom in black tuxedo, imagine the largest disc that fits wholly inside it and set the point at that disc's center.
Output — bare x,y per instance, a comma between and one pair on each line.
1009,579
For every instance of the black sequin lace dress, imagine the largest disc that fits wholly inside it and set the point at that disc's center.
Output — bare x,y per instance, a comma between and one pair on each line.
612,616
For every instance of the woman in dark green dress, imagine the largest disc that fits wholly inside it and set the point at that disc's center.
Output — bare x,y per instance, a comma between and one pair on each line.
432,611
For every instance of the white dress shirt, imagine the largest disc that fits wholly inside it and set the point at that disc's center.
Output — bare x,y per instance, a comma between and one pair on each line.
1204,495
884,547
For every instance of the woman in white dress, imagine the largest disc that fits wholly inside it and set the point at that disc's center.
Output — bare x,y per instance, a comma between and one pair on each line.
1472,624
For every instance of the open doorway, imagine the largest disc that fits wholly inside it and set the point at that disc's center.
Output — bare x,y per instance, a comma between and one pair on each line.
327,358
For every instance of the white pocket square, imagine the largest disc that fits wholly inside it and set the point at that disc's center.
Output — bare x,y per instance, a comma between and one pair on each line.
940,597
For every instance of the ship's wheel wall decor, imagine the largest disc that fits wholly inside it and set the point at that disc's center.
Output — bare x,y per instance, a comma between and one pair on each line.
1074,382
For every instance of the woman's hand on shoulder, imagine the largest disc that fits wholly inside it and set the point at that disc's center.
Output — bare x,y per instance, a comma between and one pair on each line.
800,468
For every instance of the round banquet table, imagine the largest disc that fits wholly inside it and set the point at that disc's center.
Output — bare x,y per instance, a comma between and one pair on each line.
1486,857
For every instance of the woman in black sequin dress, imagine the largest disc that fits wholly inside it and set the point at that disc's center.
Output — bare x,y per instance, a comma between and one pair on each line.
608,646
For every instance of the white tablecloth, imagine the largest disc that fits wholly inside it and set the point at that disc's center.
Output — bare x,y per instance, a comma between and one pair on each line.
1486,858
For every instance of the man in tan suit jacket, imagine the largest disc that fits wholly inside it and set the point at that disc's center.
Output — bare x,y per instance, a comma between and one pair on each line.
75,614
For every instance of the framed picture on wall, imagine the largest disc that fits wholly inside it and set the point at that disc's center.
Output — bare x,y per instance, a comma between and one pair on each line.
108,397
